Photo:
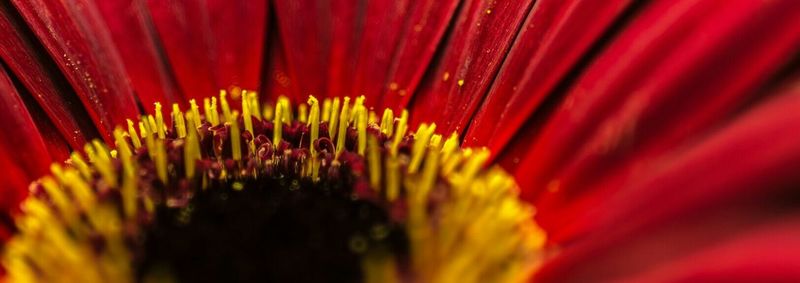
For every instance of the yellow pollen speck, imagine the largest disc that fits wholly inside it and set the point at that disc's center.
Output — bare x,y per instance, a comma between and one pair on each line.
446,76
460,82
393,86
488,11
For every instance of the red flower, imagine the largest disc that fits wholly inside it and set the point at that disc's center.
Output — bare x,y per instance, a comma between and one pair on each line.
658,140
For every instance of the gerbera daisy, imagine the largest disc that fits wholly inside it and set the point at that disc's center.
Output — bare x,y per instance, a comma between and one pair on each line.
391,141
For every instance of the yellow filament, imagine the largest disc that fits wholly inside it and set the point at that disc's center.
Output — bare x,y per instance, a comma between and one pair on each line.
132,133
374,162
362,129
159,122
373,118
236,137
302,113
334,119
277,131
248,120
421,141
255,108
101,160
326,109
177,120
226,108
436,140
356,106
191,149
392,178
195,110
287,109
148,135
387,122
80,164
313,123
129,175
400,132
450,146
341,137
268,112
153,126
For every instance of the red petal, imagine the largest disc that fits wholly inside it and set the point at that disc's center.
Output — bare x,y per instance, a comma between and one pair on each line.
383,25
480,39
422,33
767,255
688,185
31,65
239,29
212,45
182,28
129,24
554,37
741,249
346,21
276,75
619,95
75,38
20,141
13,189
306,33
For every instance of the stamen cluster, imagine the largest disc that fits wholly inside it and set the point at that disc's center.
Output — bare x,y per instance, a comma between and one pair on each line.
91,219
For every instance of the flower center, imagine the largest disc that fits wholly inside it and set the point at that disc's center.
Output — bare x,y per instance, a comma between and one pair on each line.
258,193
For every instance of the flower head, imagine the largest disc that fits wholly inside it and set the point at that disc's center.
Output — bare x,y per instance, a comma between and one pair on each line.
602,140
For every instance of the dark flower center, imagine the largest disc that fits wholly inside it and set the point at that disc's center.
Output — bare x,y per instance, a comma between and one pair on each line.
271,230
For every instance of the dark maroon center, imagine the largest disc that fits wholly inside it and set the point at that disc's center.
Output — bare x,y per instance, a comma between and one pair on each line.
272,230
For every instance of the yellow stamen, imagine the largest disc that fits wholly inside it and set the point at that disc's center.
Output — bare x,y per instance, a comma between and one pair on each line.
357,105
362,129
236,137
373,118
387,122
195,110
177,120
334,119
191,149
313,124
302,113
231,119
374,161
392,178
277,131
341,137
287,109
153,126
255,108
132,133
400,132
129,175
326,109
248,120
421,140
269,111
159,122
101,159
226,108
80,164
